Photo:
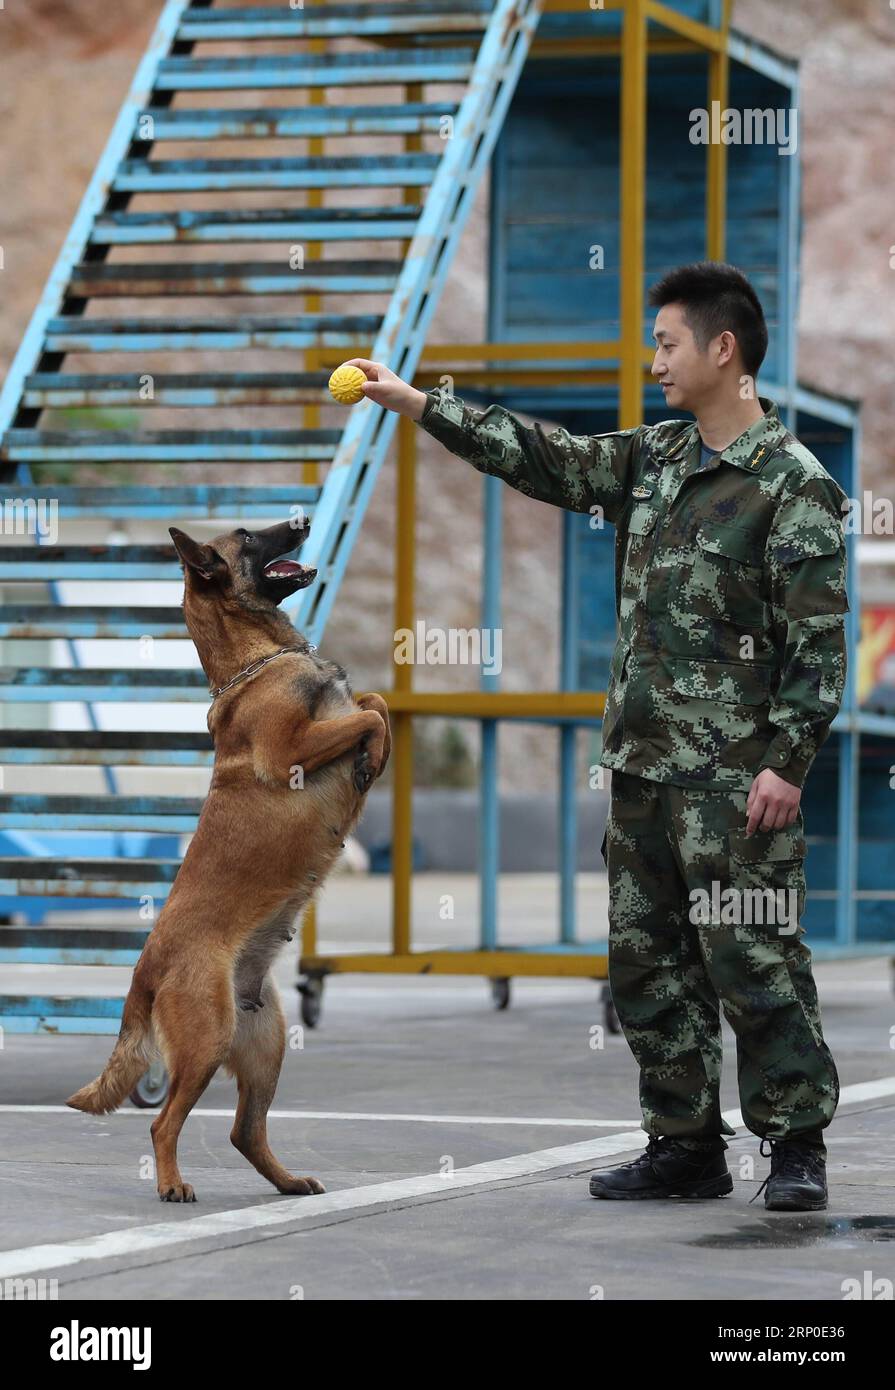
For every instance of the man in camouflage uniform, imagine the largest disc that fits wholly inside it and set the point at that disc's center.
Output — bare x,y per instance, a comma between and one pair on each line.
728,669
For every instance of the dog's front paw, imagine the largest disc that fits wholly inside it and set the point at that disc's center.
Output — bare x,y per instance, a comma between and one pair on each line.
177,1192
363,771
302,1187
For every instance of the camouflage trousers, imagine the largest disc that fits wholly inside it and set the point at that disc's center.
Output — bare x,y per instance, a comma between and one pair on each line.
700,916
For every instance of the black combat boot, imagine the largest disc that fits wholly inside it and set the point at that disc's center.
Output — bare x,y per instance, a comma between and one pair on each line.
665,1169
798,1177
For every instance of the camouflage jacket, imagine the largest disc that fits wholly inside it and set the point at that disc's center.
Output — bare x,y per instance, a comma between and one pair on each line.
730,584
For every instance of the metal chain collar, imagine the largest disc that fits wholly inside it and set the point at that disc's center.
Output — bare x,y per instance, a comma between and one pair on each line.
256,666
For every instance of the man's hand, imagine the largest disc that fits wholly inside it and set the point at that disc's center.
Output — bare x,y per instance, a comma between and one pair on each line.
773,804
385,388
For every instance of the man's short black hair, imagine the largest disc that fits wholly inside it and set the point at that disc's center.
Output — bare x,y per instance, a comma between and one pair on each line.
717,298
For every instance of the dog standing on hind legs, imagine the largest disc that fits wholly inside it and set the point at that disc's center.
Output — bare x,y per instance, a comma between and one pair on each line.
295,753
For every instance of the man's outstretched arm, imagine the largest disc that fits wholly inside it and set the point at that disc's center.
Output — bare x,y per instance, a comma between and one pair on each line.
581,473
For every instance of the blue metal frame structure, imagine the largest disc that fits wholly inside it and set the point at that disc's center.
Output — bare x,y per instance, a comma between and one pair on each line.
476,43
574,407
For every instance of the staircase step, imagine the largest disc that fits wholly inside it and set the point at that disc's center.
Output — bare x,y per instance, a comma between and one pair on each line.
186,446
37,621
69,946
314,70
235,334
321,171
41,1013
382,17
105,684
116,562
105,748
293,122
34,812
38,505
65,945
255,224
47,389
80,878
130,281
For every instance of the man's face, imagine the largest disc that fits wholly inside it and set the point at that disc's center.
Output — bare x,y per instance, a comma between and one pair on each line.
686,375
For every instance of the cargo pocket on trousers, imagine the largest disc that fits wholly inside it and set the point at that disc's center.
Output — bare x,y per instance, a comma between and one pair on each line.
767,871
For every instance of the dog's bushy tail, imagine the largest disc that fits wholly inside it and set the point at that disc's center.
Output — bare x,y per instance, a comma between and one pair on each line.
130,1058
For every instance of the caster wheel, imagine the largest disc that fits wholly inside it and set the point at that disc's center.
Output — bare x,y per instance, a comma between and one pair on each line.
610,1017
311,992
152,1088
500,993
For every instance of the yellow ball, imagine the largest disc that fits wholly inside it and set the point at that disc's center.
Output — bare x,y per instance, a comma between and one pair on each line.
346,385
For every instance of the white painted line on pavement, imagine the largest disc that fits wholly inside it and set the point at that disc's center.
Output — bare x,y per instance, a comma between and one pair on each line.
158,1236
546,1122
140,1239
867,1090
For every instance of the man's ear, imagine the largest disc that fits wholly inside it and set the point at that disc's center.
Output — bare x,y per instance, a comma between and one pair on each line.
727,345
203,560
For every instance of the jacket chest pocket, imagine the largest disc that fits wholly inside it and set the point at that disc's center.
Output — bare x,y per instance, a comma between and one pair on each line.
727,572
640,529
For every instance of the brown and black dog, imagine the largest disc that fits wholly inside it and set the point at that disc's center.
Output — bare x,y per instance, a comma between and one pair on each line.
295,754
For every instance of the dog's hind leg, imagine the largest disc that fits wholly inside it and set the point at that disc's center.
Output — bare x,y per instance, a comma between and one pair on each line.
194,1035
256,1056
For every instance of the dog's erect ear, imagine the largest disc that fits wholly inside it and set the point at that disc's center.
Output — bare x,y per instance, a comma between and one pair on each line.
203,560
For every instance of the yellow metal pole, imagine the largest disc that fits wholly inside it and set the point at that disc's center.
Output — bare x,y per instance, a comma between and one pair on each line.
496,704
607,47
704,36
311,413
633,212
413,92
716,174
402,723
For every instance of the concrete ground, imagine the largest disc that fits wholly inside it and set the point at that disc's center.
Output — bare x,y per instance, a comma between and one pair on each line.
454,1142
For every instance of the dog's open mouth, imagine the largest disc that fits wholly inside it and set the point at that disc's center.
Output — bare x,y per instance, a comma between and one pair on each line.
282,569
289,570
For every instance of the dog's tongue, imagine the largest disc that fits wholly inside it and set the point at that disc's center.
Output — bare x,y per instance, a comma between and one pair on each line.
283,569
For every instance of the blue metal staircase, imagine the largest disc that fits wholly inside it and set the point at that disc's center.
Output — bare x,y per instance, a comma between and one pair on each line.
102,301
